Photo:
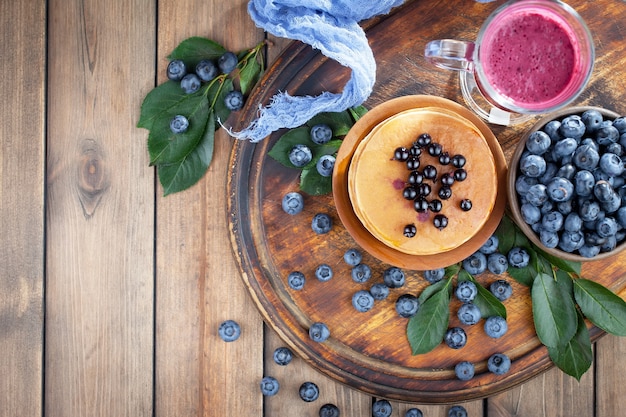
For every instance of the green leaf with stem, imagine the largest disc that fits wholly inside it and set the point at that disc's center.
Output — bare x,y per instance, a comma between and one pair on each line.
576,356
603,307
251,67
554,311
427,328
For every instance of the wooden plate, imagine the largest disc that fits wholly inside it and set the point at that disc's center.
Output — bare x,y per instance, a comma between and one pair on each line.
369,351
354,226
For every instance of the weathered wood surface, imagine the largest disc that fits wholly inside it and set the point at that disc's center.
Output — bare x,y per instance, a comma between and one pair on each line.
135,284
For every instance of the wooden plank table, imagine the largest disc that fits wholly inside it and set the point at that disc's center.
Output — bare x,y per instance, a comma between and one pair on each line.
110,294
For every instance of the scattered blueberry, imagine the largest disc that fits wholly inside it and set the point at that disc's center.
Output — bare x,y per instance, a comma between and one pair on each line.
296,280
190,83
490,246
234,100
283,356
518,257
379,291
353,257
393,277
466,291
497,263
323,272
381,408
206,70
269,386
227,62
321,134
436,275
361,273
329,410
309,391
495,326
179,124
499,363
293,203
457,411
476,263
407,305
469,314
321,223
362,301
229,331
319,332
464,370
409,231
501,289
176,70
413,412
455,337
325,165
300,155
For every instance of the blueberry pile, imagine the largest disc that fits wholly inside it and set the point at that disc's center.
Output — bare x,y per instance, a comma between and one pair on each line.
571,183
429,183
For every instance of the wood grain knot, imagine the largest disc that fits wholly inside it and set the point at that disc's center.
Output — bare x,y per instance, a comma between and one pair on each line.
93,179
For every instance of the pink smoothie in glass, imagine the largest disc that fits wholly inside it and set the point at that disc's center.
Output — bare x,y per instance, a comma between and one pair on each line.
529,57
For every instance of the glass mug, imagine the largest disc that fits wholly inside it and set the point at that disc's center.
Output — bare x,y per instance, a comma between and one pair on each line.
530,57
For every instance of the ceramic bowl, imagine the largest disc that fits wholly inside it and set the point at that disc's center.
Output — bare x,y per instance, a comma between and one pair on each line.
515,198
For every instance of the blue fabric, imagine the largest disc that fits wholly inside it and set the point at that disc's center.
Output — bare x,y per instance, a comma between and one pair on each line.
332,27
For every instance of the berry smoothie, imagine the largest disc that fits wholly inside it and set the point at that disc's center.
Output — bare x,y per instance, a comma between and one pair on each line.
531,57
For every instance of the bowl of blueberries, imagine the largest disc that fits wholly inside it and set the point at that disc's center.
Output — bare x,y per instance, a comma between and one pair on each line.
567,183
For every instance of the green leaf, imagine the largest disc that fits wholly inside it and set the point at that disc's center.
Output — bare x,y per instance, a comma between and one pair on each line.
427,328
357,112
249,74
160,100
487,303
510,236
525,276
182,175
576,356
554,312
431,289
280,150
565,265
195,49
166,147
605,309
312,183
339,122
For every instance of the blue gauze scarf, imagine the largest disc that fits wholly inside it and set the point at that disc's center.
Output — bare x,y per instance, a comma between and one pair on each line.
332,27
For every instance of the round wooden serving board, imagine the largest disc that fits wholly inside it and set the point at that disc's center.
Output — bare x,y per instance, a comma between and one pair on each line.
369,351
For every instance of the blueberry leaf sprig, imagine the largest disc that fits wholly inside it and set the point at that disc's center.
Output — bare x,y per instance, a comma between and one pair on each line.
311,181
183,155
561,301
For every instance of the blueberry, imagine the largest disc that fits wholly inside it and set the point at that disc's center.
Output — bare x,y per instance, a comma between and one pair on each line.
615,148
490,246
322,133
607,227
476,263
436,275
329,410
362,301
465,204
318,332
229,331
589,251
572,127
523,184
560,189
457,411
190,83
434,149
296,280
458,161
611,164
538,142
423,140
592,119
466,291
379,291
455,337
620,216
234,100
283,356
572,223
501,289
227,62
606,135
548,239
495,327
323,272
497,263
589,210
381,408
413,412
530,213
352,257
586,157
179,124
518,257
552,221
571,241
407,305
393,277
300,155
361,273
325,165
206,70
464,370
460,175
269,386
583,183
567,171
537,195
176,70
309,391
499,363
532,165
551,170
469,314
321,223
620,124
413,162
293,203
565,147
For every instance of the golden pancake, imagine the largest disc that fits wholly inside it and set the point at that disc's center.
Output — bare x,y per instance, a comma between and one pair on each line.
376,181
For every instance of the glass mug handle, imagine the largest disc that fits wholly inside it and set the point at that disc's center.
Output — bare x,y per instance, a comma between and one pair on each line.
451,54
